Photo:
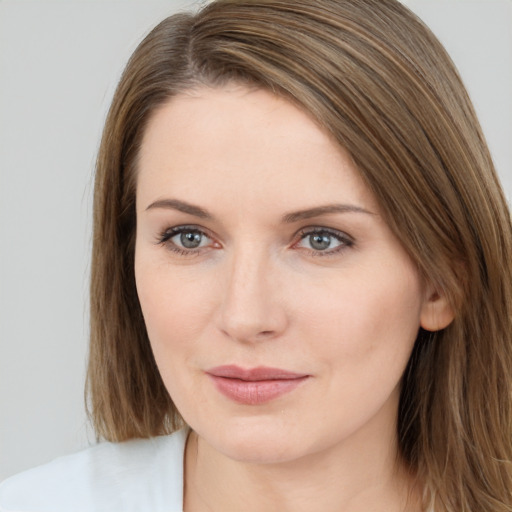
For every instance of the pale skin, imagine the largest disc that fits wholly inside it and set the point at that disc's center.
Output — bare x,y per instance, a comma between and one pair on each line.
258,244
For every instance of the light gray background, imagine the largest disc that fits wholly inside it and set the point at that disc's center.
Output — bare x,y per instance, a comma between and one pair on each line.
59,63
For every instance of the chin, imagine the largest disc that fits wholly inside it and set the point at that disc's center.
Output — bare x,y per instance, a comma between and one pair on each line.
255,442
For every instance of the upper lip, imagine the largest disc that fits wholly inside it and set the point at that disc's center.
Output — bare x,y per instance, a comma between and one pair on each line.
254,374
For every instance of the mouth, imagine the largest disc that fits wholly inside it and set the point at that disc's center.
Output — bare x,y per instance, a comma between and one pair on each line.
254,386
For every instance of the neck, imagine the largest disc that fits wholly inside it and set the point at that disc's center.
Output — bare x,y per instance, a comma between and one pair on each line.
355,476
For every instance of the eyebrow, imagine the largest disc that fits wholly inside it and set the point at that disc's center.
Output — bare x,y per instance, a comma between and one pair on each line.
181,206
289,218
323,210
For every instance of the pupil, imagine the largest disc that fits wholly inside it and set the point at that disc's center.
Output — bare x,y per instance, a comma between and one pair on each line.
190,240
320,242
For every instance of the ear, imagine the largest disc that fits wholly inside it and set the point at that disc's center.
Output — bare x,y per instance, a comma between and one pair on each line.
436,312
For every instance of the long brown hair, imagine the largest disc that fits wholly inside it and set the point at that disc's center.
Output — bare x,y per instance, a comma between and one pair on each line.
380,83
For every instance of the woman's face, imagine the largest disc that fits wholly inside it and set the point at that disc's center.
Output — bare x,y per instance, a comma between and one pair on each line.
280,307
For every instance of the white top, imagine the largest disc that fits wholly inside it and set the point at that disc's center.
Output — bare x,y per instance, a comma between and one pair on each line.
144,475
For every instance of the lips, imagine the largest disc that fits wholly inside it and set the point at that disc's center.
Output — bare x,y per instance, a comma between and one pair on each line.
254,386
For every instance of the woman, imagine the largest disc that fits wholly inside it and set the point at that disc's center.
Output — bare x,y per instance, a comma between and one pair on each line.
301,267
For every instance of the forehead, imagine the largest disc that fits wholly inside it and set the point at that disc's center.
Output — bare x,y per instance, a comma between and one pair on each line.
239,142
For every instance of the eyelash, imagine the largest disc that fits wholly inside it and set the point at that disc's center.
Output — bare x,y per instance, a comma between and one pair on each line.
345,240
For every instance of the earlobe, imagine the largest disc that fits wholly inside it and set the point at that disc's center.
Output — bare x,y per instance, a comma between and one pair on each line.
436,313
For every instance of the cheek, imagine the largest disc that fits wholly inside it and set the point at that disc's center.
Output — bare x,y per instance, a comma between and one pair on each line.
367,321
361,331
175,309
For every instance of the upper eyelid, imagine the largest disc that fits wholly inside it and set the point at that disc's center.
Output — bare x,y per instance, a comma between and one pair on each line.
174,230
303,232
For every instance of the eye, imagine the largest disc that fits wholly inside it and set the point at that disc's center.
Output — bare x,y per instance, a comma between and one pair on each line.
323,241
189,239
185,239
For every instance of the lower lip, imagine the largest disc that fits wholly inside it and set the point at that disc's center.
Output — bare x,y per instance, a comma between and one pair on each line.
255,392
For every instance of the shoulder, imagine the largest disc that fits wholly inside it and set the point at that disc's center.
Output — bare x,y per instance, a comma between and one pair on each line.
139,475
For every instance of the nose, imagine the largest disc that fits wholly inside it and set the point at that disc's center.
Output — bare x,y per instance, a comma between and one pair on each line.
252,305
